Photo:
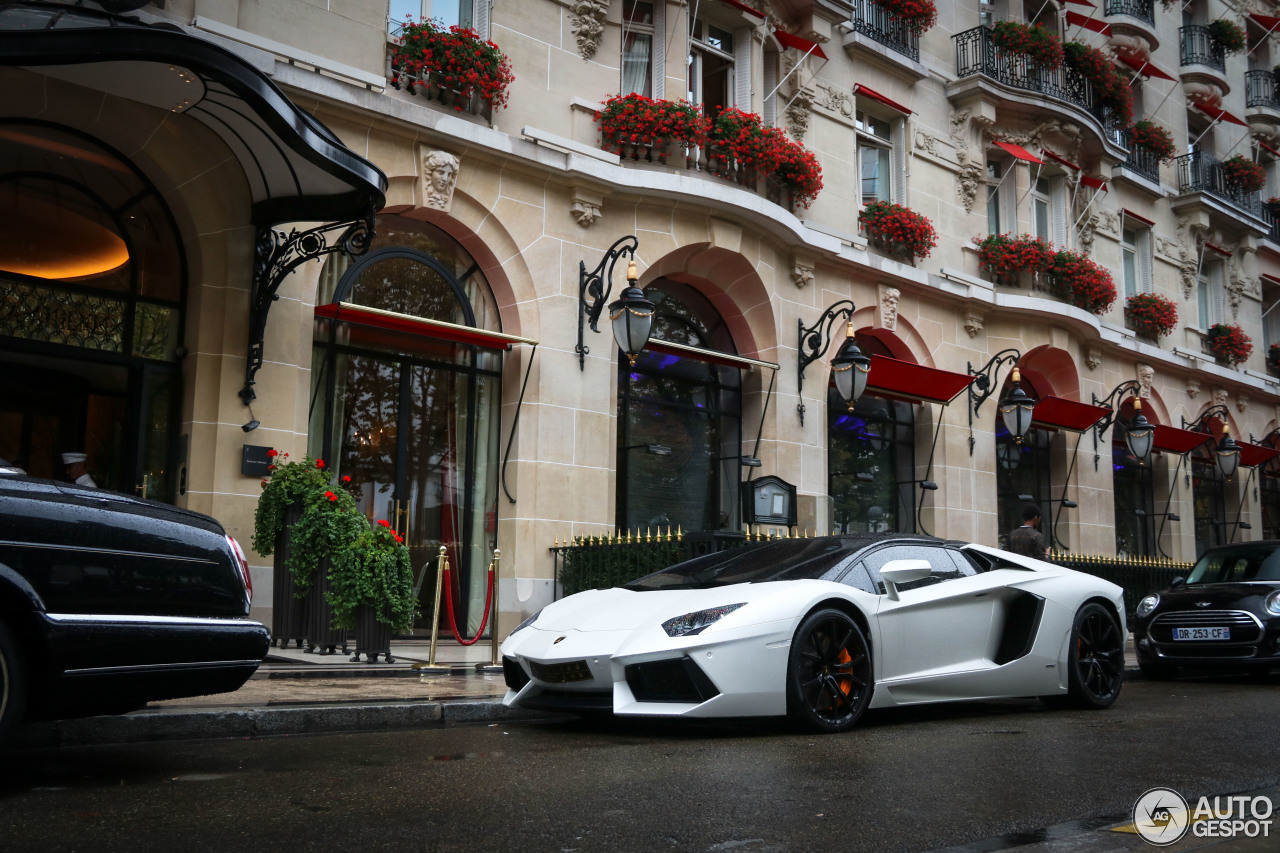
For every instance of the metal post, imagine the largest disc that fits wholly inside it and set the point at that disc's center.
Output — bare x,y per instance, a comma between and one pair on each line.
493,665
431,667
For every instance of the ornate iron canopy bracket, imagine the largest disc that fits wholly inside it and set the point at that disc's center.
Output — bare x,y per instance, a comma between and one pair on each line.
277,254
1112,401
985,385
594,288
815,340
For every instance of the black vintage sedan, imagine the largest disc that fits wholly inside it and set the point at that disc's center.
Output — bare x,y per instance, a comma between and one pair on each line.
1225,615
108,602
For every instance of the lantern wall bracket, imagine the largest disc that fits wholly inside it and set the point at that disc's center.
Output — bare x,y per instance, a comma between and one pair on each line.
276,255
594,288
815,340
985,385
1112,401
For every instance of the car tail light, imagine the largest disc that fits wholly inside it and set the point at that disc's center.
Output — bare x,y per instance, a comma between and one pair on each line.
243,565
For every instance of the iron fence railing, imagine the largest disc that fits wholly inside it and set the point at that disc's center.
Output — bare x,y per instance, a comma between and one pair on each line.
1143,10
883,26
1200,47
976,53
1260,89
1273,224
1140,160
600,562
1201,172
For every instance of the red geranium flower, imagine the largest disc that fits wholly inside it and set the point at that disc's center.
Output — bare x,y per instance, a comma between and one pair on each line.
346,478
331,496
384,522
272,452
319,463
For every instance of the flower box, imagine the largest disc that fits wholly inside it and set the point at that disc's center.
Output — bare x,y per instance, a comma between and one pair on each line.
288,610
1241,173
1110,87
637,127
322,635
1151,315
1229,34
1084,282
919,16
898,230
1014,260
1037,44
373,636
456,61
1153,138
1228,344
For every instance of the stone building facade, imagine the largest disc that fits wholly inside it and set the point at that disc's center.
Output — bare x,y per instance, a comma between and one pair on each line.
509,436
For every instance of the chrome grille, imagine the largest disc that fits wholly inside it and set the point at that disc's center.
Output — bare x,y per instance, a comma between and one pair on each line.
561,673
1245,627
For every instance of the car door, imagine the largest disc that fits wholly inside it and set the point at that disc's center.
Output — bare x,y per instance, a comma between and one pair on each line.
939,627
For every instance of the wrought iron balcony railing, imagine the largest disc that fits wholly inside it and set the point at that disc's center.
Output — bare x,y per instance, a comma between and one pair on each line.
1200,47
882,26
1140,160
1260,89
1199,172
977,54
1143,10
1273,224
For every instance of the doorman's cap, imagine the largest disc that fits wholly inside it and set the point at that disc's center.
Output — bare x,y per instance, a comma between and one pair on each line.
73,458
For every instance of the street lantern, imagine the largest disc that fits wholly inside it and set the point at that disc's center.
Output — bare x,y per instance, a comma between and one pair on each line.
1139,435
1228,452
1017,409
632,316
850,368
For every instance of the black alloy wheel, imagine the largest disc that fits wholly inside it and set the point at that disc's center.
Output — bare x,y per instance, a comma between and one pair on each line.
829,679
1096,658
12,683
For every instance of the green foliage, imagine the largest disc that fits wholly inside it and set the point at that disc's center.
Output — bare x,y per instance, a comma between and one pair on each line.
289,483
604,566
374,570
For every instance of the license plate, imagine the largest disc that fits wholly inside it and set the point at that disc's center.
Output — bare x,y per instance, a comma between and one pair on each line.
1202,633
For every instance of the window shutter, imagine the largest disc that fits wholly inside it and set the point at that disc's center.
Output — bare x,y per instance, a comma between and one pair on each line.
480,15
659,61
1058,212
742,68
770,82
1217,305
898,141
1144,261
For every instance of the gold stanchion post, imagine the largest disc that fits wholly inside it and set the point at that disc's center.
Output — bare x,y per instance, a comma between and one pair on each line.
493,665
431,667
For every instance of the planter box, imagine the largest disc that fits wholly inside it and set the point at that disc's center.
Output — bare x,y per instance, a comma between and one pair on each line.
373,638
320,633
288,611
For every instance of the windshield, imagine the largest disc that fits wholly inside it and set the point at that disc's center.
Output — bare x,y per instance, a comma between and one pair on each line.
789,559
1243,563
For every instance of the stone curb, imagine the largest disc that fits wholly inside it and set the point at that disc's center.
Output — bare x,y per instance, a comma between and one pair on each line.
143,727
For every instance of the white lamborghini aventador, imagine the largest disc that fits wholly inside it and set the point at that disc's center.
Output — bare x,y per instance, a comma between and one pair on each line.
821,629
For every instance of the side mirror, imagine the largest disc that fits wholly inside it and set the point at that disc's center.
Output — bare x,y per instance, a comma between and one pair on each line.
895,572
1177,582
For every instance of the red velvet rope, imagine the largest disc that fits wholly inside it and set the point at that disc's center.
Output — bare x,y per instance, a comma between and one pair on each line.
453,624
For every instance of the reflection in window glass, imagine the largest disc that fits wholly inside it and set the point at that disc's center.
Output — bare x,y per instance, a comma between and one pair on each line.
1134,503
1209,498
1022,470
870,465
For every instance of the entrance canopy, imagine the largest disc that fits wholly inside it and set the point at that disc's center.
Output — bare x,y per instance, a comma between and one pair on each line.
296,168
914,383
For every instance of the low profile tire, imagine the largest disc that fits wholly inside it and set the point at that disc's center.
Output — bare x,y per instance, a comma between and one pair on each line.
829,678
13,684
1157,671
1096,659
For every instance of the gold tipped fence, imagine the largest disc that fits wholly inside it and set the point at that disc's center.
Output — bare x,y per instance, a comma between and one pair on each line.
619,557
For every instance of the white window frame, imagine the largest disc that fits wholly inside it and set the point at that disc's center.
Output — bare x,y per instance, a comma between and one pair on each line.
895,189
1140,252
651,29
478,11
739,83
1210,293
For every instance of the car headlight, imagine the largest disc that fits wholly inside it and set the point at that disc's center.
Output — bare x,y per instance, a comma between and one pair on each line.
526,623
1273,603
694,623
1147,605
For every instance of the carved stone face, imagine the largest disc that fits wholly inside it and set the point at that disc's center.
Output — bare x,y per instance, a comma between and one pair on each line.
889,306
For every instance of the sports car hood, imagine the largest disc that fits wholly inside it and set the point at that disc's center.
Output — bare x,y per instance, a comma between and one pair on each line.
626,610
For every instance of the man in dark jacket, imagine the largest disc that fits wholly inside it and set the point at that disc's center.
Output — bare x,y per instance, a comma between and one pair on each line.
1027,539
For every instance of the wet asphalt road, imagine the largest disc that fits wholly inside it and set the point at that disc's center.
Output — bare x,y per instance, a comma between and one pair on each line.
905,780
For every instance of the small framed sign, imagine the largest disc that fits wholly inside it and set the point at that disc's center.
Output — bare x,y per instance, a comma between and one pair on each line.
254,460
769,500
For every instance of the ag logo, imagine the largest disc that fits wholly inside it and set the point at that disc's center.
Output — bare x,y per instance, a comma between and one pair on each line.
558,640
1161,816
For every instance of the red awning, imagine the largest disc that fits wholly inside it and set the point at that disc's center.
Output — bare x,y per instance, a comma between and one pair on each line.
1146,68
801,44
1075,19
914,383
1256,454
1220,115
876,96
390,321
1271,278
1266,147
1063,160
1060,413
1268,23
1174,440
1129,213
743,7
1080,3
1017,151
1096,183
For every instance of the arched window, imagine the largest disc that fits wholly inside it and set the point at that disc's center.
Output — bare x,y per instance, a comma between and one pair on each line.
871,459
679,422
1022,472
92,291
1133,492
1208,494
412,418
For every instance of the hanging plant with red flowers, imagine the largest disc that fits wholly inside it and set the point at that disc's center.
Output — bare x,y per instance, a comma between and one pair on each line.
1241,173
1034,42
799,172
918,15
1273,355
1229,343
744,138
1151,315
1153,138
1005,255
1085,282
1110,87
1229,34
1273,206
456,59
637,120
374,572
898,227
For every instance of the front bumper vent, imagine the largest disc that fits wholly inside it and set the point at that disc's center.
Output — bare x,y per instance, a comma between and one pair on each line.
561,673
672,680
513,673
